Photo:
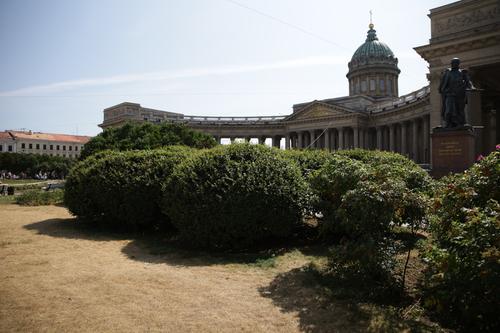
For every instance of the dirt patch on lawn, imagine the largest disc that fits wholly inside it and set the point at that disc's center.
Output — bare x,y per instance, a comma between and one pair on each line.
58,275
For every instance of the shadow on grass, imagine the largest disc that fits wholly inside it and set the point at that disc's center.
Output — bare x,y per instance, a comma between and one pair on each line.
158,247
74,228
166,248
158,250
318,310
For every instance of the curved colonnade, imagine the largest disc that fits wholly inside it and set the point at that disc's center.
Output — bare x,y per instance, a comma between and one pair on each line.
401,125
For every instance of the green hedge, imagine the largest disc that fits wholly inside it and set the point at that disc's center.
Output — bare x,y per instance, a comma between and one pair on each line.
463,255
122,188
389,165
40,198
359,205
308,160
233,196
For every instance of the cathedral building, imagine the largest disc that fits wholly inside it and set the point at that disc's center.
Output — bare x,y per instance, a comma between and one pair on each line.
374,116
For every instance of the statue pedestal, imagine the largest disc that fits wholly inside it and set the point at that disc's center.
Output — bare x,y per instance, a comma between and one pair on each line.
452,150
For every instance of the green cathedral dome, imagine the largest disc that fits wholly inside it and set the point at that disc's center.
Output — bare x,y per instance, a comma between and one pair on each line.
372,47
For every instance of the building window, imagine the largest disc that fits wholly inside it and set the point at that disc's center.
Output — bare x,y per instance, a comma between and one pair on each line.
382,84
10,148
57,147
76,148
37,146
51,148
372,85
23,145
363,86
1,147
70,148
30,146
357,88
389,87
44,147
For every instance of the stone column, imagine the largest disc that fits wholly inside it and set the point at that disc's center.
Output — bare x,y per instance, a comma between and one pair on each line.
287,141
341,138
379,138
355,131
300,140
392,143
312,144
262,140
327,139
232,138
276,141
493,131
414,144
404,150
426,133
247,139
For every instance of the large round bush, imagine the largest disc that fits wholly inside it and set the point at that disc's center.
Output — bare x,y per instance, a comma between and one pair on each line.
233,196
122,188
308,160
329,184
393,166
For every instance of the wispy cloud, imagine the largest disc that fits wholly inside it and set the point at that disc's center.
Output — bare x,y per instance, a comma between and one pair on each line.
57,87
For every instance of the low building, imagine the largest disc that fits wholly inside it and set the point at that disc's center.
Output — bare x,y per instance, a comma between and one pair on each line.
29,142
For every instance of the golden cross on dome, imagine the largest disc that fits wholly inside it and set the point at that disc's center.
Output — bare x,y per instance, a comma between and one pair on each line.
371,23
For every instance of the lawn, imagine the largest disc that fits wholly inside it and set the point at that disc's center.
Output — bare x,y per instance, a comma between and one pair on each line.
22,181
7,199
61,276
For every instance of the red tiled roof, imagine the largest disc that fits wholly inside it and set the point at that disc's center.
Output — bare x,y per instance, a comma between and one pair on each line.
50,137
5,135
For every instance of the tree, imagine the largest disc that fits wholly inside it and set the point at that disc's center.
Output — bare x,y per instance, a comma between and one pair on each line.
132,136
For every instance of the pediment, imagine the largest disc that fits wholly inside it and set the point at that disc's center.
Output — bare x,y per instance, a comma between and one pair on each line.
317,110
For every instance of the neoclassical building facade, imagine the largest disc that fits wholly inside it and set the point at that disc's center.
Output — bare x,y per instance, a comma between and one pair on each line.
373,116
28,142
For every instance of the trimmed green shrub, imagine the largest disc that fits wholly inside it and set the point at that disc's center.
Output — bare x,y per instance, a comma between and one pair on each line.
389,165
308,160
40,198
233,196
463,254
122,188
11,190
330,183
360,206
132,136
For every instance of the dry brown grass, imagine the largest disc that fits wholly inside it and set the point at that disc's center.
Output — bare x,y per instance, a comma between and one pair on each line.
58,276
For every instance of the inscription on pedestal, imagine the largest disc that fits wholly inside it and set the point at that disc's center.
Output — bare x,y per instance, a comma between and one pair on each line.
450,148
452,151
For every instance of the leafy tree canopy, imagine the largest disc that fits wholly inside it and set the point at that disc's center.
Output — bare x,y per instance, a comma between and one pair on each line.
132,136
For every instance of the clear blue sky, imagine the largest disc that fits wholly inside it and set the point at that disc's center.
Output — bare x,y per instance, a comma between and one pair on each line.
62,62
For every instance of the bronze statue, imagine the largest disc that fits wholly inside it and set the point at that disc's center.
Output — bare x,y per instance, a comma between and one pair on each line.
454,83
